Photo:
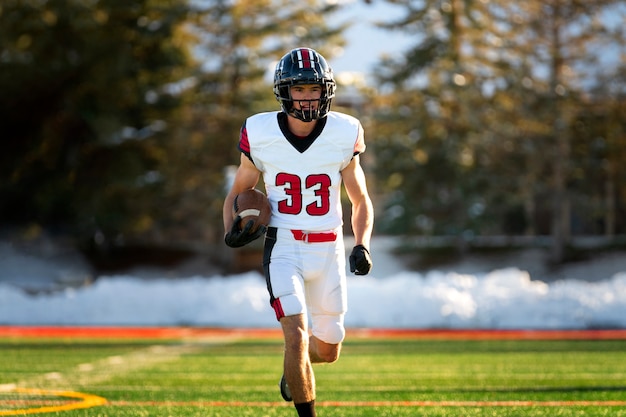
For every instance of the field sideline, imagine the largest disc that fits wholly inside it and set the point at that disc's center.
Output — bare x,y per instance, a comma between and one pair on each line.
201,332
136,371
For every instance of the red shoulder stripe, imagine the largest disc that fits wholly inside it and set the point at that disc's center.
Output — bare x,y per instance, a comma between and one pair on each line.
244,144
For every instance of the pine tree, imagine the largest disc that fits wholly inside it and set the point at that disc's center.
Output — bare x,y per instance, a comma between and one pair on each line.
86,100
452,73
558,40
483,109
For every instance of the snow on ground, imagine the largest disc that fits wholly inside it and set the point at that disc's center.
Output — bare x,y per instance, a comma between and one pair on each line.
391,297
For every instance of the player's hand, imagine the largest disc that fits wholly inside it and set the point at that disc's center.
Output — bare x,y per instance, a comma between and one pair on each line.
360,260
238,237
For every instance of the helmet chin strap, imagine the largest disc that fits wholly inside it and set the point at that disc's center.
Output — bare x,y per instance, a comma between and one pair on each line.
306,115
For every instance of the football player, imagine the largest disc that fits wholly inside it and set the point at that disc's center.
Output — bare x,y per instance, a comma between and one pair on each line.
305,153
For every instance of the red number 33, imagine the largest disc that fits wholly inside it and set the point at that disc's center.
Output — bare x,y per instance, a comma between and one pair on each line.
319,183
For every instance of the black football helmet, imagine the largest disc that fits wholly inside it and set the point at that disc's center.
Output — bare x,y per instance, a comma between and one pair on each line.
304,66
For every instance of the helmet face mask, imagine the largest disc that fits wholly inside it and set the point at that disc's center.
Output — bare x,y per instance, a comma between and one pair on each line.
304,66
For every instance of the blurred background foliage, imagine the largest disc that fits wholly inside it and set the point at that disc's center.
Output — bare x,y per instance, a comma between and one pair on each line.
119,118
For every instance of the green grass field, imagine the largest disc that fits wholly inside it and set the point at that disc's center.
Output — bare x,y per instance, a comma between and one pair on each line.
235,376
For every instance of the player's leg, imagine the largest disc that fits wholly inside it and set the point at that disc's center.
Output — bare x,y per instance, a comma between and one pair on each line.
327,300
298,370
286,288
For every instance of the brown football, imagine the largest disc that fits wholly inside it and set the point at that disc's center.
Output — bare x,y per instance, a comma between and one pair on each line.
252,205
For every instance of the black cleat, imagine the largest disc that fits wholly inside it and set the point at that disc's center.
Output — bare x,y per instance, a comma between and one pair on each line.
284,389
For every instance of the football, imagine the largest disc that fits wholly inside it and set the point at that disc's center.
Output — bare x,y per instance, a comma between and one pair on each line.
252,205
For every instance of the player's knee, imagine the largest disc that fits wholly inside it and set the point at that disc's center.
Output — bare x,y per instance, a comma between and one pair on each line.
329,329
335,335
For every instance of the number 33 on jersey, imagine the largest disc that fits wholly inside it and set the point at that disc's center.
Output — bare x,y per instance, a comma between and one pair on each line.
305,192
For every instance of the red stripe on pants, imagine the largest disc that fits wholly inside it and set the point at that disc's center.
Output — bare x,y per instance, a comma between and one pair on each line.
278,309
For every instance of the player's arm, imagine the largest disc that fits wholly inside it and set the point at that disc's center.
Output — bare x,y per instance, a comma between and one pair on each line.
362,216
246,178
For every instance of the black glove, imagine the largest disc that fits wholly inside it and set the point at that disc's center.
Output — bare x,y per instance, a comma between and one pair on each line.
237,237
360,260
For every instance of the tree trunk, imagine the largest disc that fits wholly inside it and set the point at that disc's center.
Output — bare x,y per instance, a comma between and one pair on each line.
561,206
609,201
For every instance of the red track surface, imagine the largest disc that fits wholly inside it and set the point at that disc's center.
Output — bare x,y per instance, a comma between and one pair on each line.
197,332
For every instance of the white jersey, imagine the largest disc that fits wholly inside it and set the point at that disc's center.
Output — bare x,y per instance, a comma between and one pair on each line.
302,175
